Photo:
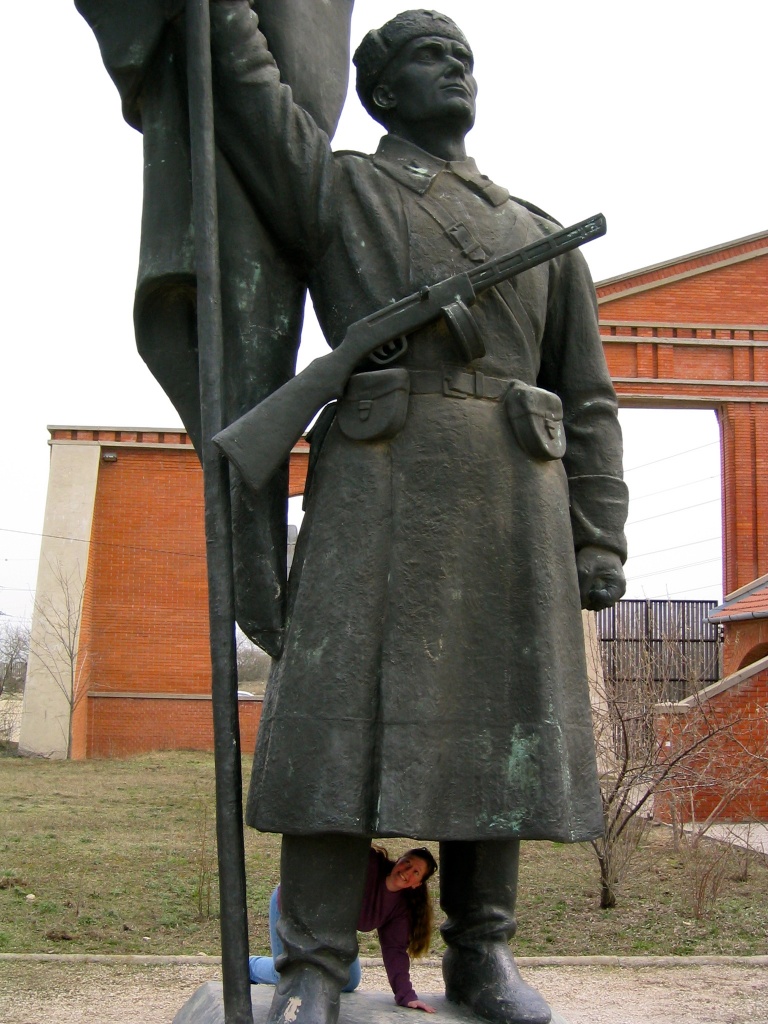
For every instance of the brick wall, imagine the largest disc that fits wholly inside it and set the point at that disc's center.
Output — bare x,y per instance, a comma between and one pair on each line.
123,726
728,775
698,319
744,446
748,642
689,331
148,603
297,469
145,611
725,294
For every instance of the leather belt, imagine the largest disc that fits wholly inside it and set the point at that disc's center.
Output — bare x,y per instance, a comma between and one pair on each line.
458,383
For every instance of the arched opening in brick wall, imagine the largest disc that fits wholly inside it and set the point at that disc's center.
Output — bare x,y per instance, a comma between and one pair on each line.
693,333
754,654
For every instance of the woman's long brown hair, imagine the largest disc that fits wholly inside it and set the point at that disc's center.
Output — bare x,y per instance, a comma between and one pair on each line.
419,903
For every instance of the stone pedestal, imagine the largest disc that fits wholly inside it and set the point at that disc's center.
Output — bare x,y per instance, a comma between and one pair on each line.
206,1006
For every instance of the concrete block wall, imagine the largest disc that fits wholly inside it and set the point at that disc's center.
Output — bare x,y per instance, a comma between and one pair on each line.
62,573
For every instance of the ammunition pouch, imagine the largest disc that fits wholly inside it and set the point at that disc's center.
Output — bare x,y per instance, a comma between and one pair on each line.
536,417
374,405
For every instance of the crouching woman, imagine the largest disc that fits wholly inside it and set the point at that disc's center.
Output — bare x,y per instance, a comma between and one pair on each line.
396,905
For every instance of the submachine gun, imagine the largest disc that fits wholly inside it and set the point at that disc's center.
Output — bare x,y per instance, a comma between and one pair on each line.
261,440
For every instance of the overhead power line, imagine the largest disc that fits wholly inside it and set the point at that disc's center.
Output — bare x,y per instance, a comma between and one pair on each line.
677,487
675,455
672,568
675,547
688,590
105,543
674,511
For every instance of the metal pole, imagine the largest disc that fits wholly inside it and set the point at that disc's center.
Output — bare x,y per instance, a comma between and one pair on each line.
218,525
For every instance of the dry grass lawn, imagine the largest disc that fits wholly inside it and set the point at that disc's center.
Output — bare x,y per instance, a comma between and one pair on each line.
118,857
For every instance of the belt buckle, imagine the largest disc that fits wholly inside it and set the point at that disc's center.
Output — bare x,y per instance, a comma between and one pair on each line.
450,389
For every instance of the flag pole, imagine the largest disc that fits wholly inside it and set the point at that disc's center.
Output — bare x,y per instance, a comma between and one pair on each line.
218,524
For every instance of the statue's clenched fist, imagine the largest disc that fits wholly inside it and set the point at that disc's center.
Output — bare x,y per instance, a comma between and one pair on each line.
601,578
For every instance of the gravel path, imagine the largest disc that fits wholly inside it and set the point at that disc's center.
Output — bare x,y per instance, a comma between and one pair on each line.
642,991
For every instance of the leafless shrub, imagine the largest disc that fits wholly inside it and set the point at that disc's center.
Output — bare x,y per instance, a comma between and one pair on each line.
205,857
637,762
253,664
707,865
14,649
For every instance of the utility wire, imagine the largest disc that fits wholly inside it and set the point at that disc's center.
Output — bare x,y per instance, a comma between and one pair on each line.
105,543
672,568
674,511
677,487
197,555
676,455
676,547
688,590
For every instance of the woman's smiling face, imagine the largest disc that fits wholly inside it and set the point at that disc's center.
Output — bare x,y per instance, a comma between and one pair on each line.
407,873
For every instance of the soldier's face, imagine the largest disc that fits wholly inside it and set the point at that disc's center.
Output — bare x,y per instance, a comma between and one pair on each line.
430,79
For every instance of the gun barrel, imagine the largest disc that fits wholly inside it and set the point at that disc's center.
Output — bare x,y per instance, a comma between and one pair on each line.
543,249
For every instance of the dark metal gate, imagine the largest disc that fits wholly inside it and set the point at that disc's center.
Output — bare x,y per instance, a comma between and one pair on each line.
668,644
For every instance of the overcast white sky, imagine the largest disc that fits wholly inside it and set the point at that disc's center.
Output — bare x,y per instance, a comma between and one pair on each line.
652,113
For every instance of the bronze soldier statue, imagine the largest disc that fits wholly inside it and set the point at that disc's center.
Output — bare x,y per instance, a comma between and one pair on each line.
461,508
432,679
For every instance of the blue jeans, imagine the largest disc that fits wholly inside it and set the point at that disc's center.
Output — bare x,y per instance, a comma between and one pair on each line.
262,968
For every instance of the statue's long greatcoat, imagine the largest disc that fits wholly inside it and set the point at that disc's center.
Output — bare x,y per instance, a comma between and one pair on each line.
432,681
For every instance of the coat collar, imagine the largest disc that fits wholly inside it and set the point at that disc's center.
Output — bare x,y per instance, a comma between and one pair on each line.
417,169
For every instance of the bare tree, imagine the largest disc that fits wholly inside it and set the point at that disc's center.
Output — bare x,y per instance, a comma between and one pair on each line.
638,761
14,648
55,641
721,777
253,664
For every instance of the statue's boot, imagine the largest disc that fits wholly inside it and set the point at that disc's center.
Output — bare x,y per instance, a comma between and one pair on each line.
321,891
478,890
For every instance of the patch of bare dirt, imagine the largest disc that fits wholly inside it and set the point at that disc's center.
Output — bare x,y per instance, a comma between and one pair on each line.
82,993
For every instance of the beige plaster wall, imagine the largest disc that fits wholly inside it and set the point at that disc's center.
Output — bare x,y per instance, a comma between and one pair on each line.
63,554
600,717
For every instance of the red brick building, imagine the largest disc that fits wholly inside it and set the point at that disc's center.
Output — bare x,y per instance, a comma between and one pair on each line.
728,779
694,332
688,332
124,528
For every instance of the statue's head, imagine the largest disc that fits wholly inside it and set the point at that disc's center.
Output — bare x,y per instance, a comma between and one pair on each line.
416,67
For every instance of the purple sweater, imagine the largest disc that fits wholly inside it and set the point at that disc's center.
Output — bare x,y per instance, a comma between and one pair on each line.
387,913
